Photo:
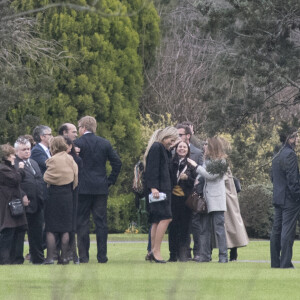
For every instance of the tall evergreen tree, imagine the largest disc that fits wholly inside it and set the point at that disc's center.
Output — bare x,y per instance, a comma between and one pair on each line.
103,75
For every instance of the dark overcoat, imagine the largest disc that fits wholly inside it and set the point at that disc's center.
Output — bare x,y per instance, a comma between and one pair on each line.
10,180
158,172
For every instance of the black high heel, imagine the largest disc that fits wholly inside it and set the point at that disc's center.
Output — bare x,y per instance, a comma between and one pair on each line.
157,260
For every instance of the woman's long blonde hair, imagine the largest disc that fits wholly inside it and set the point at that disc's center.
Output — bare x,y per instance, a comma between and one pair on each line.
216,148
158,136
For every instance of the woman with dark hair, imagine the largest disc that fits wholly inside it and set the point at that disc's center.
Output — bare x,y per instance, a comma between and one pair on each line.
61,177
12,228
158,182
215,167
183,181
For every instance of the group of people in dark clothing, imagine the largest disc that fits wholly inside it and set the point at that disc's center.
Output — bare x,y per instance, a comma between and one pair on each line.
60,181
174,167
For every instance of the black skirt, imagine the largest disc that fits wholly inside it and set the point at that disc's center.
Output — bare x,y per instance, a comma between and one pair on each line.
59,208
159,211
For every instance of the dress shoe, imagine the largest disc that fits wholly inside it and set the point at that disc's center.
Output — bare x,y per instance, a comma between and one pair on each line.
159,261
223,260
48,262
104,261
172,259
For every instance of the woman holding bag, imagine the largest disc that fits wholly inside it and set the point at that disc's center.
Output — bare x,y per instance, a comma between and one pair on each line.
12,228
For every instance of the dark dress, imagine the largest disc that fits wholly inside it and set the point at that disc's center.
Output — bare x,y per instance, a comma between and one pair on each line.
58,208
158,175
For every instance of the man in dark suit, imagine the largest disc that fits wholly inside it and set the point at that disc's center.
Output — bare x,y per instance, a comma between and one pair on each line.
40,152
95,151
286,199
32,187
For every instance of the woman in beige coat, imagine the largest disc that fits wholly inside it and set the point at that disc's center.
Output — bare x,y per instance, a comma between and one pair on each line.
61,177
236,234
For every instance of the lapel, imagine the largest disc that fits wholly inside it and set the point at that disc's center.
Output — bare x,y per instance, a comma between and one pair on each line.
42,149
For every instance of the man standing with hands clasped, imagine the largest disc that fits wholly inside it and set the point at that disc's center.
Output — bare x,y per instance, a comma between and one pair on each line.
286,199
95,151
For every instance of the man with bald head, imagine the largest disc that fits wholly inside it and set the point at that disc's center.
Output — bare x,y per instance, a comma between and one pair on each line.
69,130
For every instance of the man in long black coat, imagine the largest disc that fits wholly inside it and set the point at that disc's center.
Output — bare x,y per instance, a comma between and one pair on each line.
286,199
32,186
95,151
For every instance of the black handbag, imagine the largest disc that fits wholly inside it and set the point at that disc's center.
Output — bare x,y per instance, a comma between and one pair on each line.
16,207
237,184
196,203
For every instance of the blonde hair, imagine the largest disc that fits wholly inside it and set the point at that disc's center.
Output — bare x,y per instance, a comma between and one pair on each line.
215,148
158,136
58,144
89,123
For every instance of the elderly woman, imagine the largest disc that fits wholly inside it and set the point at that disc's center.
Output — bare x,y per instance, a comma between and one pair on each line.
61,177
158,180
12,228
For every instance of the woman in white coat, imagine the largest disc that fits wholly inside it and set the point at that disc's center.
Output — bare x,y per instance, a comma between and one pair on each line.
213,171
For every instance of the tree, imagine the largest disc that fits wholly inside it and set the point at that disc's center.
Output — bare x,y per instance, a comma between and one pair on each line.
102,76
261,61
20,43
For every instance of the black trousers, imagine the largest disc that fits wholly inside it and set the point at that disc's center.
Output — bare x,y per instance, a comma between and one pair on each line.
35,236
97,204
283,234
12,245
179,228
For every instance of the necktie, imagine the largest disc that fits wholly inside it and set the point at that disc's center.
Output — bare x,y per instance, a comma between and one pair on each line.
28,164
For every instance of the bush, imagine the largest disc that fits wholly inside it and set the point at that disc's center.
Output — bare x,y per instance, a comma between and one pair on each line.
257,210
121,211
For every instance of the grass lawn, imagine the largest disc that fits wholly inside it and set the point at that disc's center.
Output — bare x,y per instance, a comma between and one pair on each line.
128,276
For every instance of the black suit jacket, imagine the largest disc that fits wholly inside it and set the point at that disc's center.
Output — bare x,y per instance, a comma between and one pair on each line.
40,156
95,151
32,186
285,177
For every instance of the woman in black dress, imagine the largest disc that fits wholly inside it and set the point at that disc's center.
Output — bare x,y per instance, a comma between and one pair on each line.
158,180
61,177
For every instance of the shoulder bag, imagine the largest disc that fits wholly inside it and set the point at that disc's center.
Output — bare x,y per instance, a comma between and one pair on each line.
16,207
196,203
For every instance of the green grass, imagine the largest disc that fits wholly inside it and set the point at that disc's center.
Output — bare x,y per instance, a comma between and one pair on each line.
128,276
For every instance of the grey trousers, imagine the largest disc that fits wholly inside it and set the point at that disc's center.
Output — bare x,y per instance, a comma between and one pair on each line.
217,218
201,229
283,235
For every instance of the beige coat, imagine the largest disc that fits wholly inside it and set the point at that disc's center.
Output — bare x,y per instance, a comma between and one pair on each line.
61,170
236,234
